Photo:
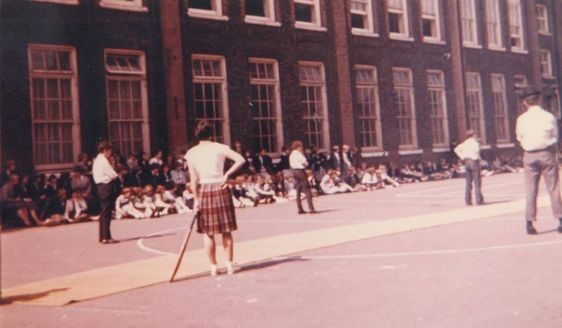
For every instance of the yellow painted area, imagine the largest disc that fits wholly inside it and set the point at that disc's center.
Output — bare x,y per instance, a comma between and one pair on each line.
119,278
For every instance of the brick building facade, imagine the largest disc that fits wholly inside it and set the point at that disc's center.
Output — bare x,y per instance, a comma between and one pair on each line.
401,79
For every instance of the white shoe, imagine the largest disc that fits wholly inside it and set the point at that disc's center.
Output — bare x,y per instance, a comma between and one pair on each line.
214,270
229,268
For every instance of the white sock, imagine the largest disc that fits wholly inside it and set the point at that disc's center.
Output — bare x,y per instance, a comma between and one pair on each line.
229,267
213,269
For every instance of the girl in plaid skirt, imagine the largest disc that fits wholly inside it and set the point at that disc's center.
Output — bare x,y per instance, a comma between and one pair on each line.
213,200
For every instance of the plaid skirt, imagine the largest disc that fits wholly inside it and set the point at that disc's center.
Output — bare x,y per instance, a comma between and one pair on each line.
216,210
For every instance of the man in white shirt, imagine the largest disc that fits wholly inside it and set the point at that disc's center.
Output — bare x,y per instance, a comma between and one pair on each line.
537,132
298,163
469,152
104,174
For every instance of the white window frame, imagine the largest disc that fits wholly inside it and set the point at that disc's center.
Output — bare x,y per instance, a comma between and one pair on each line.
405,36
216,13
480,103
504,111
316,24
277,93
367,15
322,85
444,111
471,22
520,82
413,117
516,17
73,74
546,63
270,17
62,2
494,27
378,125
223,79
437,21
542,19
134,5
141,75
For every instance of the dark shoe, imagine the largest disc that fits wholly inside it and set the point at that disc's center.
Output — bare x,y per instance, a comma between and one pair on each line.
109,241
530,229
481,203
302,212
313,212
559,229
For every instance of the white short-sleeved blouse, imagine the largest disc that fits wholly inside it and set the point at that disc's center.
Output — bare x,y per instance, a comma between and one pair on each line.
207,160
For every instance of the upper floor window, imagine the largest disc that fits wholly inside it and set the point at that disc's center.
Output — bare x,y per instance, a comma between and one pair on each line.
516,26
552,103
468,23
493,24
367,107
405,109
209,94
127,100
211,9
64,2
260,12
398,19
431,24
542,19
361,17
54,106
308,14
131,5
546,63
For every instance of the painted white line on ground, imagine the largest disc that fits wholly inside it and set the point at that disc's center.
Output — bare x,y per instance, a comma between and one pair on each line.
454,189
425,253
140,242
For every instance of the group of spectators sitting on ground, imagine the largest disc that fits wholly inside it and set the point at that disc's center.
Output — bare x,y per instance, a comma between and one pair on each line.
150,187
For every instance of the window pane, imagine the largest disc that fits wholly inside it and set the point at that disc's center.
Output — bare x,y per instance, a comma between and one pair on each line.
201,4
255,8
303,13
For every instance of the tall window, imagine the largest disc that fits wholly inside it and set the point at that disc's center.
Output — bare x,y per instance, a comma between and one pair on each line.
438,108
493,24
546,63
361,16
54,105
367,105
313,103
468,23
474,107
542,19
519,84
260,11
501,119
552,103
516,25
209,94
206,8
266,116
133,5
398,19
127,107
307,14
406,117
431,25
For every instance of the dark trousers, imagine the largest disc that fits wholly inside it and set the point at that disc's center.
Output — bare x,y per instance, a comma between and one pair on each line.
543,163
302,185
473,176
105,194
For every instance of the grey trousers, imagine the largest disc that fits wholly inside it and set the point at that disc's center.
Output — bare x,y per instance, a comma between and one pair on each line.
473,176
543,163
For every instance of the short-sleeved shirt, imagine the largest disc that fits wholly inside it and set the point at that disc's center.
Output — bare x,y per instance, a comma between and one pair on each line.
207,160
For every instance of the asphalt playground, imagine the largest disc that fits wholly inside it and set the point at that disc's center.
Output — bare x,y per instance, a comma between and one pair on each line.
413,256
